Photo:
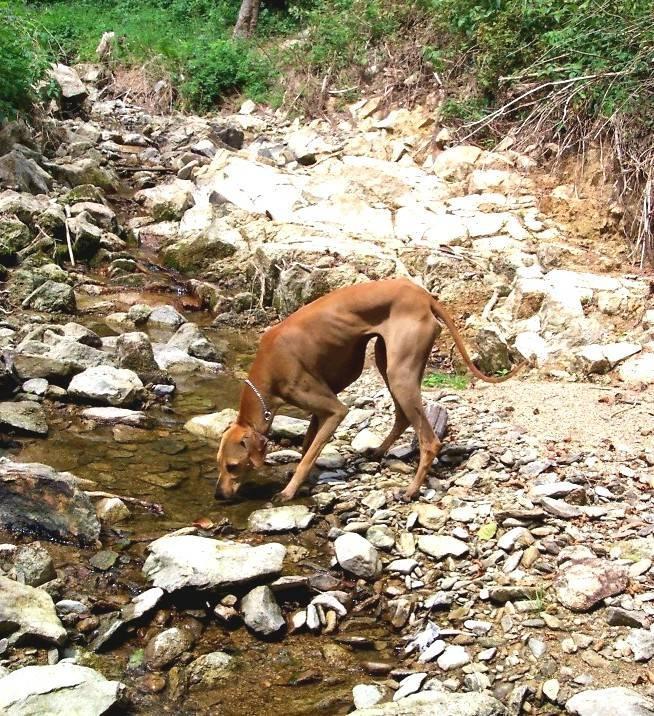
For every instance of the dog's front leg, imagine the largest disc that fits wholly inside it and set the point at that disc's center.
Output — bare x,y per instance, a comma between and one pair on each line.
326,426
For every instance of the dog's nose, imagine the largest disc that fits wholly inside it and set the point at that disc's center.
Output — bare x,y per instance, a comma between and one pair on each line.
223,492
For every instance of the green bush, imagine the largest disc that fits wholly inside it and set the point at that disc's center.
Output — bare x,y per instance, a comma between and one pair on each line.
222,67
22,62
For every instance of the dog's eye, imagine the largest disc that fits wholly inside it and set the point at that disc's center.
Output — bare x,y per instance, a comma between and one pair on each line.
232,467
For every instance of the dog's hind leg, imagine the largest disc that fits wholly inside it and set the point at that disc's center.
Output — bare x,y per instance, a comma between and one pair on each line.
310,434
407,357
401,421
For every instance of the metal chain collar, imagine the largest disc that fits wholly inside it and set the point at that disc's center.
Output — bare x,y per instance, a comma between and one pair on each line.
267,414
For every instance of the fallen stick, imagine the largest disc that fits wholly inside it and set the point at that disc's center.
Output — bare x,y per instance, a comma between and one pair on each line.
124,168
68,241
153,507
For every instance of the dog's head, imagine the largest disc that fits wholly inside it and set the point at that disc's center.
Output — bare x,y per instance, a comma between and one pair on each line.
241,449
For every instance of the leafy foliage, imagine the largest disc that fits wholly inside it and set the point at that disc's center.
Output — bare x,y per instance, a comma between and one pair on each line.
21,60
447,380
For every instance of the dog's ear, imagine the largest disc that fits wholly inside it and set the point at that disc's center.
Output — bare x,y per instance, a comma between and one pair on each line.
256,444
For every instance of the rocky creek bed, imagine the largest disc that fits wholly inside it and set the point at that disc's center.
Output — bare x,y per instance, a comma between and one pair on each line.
519,582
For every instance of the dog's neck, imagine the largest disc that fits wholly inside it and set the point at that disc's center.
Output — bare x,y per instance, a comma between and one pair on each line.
251,410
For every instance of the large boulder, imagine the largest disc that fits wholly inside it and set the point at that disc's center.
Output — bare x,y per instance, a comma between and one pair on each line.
189,338
610,702
27,614
104,384
52,297
179,561
73,91
79,354
22,173
36,499
134,351
87,170
63,689
196,252
25,416
167,202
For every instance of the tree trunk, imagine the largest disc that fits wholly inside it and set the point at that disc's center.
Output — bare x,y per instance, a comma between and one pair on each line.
247,18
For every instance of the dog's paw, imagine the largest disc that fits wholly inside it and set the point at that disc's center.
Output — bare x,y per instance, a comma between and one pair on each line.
282,497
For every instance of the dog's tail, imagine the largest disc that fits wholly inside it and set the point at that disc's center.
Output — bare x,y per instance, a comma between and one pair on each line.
441,313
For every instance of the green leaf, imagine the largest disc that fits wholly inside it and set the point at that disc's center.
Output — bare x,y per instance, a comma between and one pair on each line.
487,531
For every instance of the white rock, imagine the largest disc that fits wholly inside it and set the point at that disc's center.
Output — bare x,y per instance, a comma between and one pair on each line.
261,612
60,690
453,657
113,416
213,425
366,440
409,685
179,561
356,555
616,701
280,519
28,613
115,386
366,695
440,546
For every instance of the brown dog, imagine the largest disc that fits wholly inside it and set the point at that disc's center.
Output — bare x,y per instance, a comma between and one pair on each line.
311,356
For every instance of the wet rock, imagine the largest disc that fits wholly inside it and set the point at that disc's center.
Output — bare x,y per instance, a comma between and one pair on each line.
36,499
104,560
213,425
134,352
190,339
429,703
28,614
141,604
116,416
52,297
179,561
33,565
105,384
582,584
163,649
25,416
167,202
210,670
59,690
261,612
356,555
409,685
165,317
440,546
111,510
20,172
280,519
610,702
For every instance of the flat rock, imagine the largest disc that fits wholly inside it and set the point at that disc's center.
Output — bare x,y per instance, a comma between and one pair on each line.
261,612
25,416
617,701
28,614
180,561
105,384
440,546
580,585
440,703
114,416
280,519
358,556
213,425
166,317
61,690
366,695
36,499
